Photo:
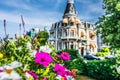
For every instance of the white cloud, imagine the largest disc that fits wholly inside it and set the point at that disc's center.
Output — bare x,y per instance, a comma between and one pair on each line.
91,10
31,20
40,18
19,4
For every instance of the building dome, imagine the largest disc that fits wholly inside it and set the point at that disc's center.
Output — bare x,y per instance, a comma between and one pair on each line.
83,33
65,20
92,34
72,20
78,22
93,45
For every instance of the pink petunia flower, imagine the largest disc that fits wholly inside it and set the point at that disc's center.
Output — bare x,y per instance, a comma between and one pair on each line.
43,58
33,74
44,78
65,78
1,70
69,73
65,56
59,69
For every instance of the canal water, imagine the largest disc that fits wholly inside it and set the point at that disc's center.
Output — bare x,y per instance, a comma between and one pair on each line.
81,77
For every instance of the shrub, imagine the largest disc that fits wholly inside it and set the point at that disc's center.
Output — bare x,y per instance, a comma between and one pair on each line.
105,49
102,70
77,63
102,54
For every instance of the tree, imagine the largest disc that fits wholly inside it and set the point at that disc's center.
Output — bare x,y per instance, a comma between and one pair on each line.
43,37
109,24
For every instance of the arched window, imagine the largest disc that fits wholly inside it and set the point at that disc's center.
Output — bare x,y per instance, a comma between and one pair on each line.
64,33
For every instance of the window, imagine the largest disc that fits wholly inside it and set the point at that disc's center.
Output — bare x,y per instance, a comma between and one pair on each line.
64,24
60,45
72,46
72,33
88,25
64,33
66,45
71,24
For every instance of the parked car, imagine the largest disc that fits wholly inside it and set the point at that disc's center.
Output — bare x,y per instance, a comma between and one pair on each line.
91,57
110,57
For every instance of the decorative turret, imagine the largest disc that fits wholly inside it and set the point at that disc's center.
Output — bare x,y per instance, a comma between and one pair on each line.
70,14
70,9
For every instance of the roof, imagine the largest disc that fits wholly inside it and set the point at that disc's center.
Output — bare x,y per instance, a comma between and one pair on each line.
70,9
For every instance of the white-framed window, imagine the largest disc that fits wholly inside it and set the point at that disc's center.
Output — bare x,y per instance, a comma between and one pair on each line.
72,33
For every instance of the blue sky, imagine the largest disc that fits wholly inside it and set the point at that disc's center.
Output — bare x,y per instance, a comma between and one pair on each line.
40,13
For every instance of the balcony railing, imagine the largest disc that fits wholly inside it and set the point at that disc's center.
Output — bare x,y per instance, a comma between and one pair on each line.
69,37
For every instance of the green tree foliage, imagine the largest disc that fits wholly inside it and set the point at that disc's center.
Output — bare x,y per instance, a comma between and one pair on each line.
42,37
109,24
104,52
105,49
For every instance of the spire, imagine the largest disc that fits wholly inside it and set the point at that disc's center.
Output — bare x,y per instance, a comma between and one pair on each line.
70,9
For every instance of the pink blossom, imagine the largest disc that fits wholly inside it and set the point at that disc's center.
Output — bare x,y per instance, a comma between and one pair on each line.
59,69
65,78
69,73
33,74
65,56
43,58
44,78
1,70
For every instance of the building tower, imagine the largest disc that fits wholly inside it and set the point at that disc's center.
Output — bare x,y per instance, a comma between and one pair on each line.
70,9
72,33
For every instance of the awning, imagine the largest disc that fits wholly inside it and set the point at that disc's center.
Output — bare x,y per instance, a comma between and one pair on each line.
83,33
92,34
93,45
78,22
72,20
65,20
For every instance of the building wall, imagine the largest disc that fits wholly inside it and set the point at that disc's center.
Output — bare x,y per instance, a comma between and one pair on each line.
74,36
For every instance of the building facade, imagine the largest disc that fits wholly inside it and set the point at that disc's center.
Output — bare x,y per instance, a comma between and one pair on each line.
71,33
32,32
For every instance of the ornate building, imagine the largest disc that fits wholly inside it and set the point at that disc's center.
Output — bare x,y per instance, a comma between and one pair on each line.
72,33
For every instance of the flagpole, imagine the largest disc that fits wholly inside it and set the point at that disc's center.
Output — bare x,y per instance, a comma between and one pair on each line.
5,27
